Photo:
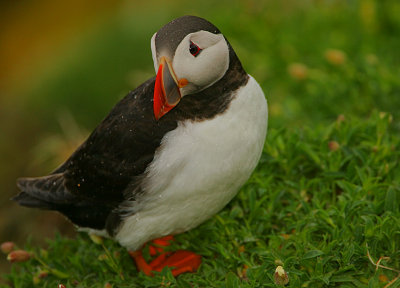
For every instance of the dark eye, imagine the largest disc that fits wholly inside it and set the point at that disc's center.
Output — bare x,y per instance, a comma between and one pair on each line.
194,49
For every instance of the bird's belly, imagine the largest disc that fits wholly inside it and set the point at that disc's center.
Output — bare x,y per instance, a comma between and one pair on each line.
198,169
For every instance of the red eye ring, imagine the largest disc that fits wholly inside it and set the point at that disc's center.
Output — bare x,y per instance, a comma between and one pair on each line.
194,49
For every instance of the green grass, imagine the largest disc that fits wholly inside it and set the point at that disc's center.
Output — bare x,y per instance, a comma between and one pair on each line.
307,207
327,189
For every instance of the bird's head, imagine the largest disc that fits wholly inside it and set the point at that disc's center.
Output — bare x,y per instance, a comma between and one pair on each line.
190,54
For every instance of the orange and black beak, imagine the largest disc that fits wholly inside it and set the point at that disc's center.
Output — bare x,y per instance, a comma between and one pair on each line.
166,91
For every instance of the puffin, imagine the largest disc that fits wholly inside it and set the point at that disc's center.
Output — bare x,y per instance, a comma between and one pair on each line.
170,155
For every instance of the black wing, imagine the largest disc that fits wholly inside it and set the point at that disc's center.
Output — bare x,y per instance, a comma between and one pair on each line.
90,185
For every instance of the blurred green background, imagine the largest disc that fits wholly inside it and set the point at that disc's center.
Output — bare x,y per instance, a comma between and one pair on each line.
64,64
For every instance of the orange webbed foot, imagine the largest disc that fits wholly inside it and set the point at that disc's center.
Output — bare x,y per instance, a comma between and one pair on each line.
181,261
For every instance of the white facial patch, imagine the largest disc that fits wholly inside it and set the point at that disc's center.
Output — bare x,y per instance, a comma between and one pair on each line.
207,67
154,52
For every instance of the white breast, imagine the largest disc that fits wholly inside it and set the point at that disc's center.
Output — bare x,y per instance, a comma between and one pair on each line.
198,169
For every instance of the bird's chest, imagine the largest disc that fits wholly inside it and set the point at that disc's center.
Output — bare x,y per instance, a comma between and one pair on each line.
201,165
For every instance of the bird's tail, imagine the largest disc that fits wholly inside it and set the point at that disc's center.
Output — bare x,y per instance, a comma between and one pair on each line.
50,193
46,192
